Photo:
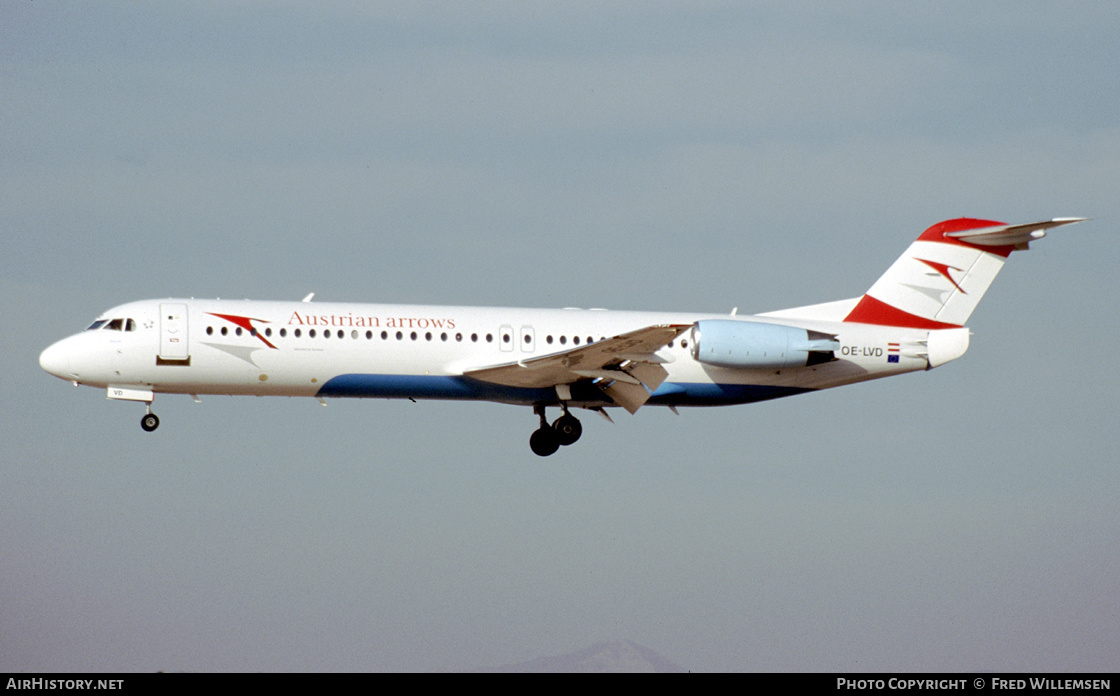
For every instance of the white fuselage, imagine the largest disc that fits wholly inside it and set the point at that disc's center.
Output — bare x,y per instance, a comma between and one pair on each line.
319,349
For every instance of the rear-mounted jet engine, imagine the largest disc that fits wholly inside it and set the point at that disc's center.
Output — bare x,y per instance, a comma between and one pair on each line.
750,344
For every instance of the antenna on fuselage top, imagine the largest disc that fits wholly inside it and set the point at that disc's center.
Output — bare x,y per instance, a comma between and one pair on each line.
309,296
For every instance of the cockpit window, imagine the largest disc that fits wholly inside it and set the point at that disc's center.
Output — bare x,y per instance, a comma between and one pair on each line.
113,325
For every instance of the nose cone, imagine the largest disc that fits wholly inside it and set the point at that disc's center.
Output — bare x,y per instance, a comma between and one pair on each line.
56,360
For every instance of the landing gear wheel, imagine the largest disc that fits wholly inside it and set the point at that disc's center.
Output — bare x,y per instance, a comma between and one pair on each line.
567,428
149,422
544,441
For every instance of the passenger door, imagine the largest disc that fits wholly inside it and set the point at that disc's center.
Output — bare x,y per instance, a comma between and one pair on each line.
173,337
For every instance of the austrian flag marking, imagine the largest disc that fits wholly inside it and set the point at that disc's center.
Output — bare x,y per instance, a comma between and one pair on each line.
892,352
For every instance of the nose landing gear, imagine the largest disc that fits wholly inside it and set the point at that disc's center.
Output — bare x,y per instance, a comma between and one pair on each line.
150,421
546,439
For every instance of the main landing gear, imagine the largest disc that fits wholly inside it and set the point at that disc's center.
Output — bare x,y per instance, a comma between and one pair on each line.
546,439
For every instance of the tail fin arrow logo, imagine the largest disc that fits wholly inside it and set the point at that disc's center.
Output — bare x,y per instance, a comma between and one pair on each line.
944,269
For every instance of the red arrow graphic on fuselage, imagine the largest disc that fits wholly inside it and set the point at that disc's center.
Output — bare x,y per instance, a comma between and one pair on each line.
245,323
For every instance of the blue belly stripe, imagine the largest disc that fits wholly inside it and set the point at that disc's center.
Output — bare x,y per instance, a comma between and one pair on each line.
700,394
429,387
465,388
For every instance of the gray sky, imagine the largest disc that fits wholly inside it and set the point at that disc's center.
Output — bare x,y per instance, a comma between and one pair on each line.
693,156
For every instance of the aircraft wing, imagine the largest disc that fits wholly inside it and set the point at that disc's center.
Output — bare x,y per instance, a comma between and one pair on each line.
625,367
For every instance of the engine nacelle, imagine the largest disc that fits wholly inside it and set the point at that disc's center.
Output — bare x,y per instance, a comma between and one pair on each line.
750,344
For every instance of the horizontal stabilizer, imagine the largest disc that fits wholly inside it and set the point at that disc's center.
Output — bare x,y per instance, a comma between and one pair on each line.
1017,236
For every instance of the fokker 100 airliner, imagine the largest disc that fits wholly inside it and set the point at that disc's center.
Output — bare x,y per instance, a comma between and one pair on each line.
912,318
